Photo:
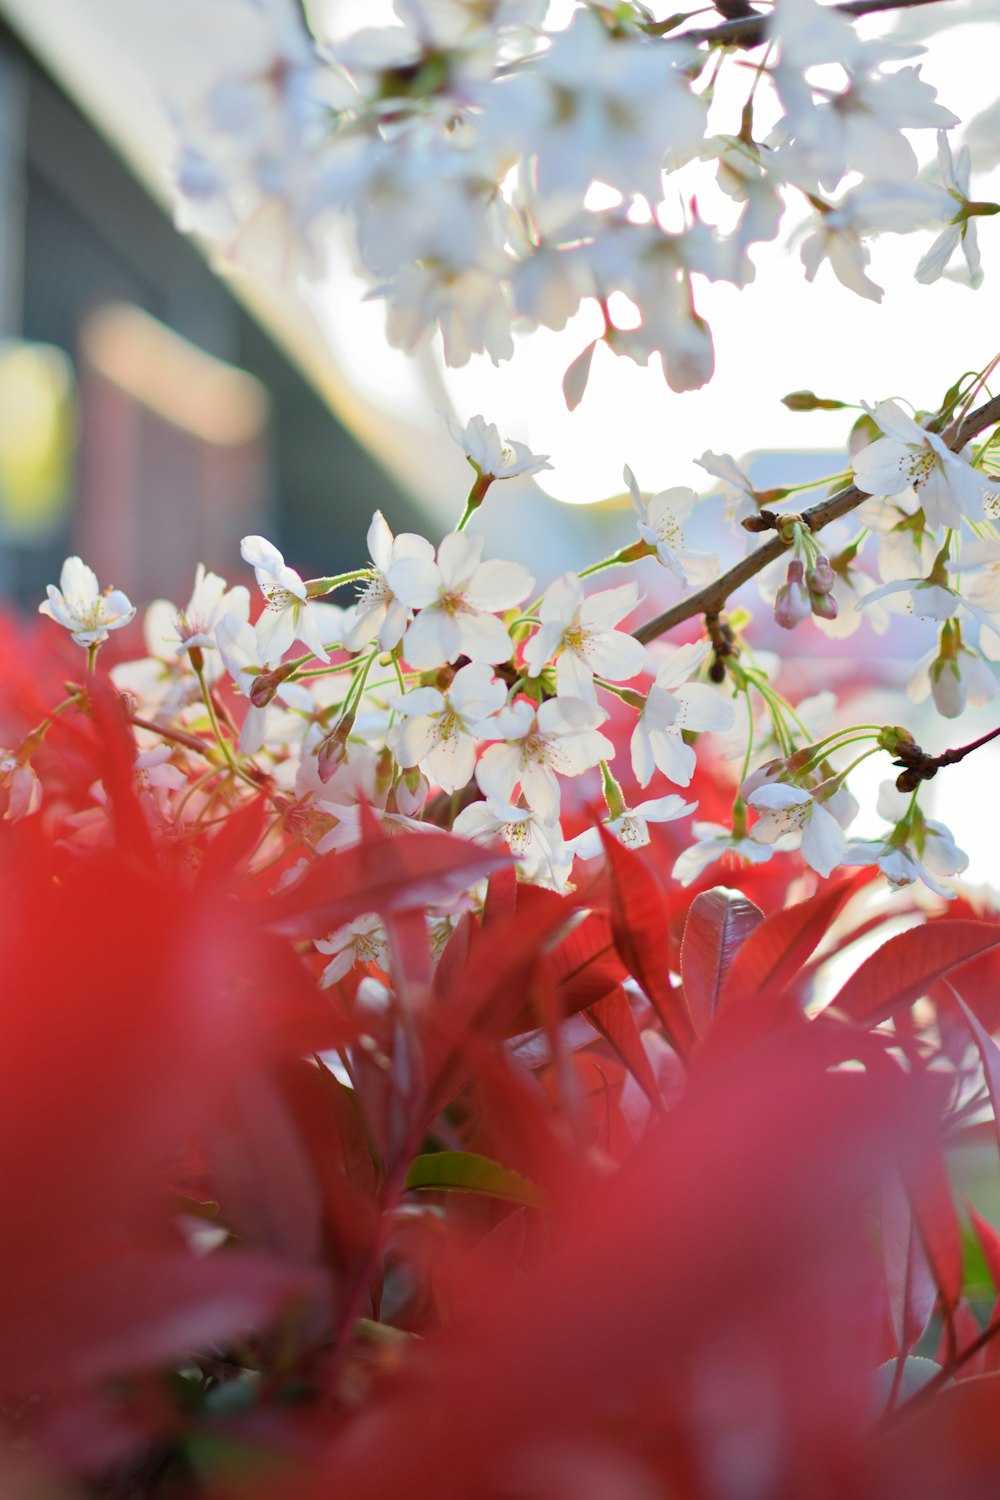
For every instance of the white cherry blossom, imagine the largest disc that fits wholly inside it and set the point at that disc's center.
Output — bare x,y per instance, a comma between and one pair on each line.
456,597
579,632
379,615
288,614
559,738
441,728
927,599
362,941
493,456
631,827
739,493
79,605
961,233
916,849
714,842
660,520
785,809
672,705
172,633
953,678
245,659
537,846
908,456
21,785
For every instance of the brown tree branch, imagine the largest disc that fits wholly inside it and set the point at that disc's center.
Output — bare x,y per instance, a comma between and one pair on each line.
712,599
752,32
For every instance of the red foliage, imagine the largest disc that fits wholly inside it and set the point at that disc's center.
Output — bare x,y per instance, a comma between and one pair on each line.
607,1198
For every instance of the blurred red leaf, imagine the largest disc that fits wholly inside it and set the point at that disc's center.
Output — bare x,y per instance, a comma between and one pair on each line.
612,1017
936,1220
770,959
584,965
642,1288
905,967
718,923
910,1286
381,874
989,1053
131,1311
641,926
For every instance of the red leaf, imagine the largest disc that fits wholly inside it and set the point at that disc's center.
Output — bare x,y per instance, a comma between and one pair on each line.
937,1222
910,1287
134,1310
235,841
964,1330
584,966
718,923
641,926
990,1054
774,953
613,1018
905,967
402,873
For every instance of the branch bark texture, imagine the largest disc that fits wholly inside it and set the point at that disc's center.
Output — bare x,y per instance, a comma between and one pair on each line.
753,31
712,599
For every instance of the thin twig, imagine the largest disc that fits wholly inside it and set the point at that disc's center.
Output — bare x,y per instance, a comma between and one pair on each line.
752,32
712,599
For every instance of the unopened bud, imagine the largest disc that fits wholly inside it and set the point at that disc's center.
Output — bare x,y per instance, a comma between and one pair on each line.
765,775
792,602
896,739
410,792
820,578
263,688
824,605
332,750
385,769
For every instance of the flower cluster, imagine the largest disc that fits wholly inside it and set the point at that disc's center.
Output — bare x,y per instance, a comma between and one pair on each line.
442,693
459,149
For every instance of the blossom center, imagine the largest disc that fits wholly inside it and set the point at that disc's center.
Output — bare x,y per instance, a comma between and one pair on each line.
918,466
278,598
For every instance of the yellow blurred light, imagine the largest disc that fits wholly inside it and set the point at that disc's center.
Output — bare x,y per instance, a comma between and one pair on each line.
37,437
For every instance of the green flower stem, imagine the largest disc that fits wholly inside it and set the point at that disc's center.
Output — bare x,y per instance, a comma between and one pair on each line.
477,495
818,760
176,736
92,651
837,781
192,787
221,739
627,695
620,559
317,587
357,687
739,807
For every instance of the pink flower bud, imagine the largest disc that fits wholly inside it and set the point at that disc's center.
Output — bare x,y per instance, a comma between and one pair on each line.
332,751
263,689
770,771
792,601
820,578
824,605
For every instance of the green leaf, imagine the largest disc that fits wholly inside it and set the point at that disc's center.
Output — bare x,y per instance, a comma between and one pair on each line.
465,1172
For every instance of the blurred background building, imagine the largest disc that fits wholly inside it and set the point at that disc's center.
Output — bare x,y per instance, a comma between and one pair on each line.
147,419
